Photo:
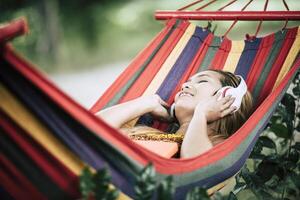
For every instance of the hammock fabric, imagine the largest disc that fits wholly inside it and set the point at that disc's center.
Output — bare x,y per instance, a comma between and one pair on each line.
47,138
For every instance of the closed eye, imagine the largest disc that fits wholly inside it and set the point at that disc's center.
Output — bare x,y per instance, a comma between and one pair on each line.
202,81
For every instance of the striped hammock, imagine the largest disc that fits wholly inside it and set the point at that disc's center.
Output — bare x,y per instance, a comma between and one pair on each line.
47,138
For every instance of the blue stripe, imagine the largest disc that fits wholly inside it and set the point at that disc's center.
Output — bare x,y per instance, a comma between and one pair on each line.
247,57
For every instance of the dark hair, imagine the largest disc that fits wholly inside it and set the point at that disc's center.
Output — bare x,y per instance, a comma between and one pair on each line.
226,126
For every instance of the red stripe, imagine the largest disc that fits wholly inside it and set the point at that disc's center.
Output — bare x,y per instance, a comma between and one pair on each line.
143,81
259,61
63,177
17,185
130,70
272,76
221,56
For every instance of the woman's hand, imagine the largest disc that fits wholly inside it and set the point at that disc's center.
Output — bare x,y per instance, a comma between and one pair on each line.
214,109
157,106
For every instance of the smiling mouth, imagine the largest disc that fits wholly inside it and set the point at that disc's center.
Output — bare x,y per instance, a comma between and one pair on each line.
185,94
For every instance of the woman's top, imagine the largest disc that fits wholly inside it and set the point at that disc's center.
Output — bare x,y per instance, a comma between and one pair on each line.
166,137
148,133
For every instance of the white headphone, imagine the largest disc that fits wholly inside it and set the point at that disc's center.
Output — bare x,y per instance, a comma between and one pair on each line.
237,92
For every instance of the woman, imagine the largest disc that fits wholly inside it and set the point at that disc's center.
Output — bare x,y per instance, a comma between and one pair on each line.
205,119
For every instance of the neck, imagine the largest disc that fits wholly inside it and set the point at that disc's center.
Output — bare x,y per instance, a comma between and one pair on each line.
184,126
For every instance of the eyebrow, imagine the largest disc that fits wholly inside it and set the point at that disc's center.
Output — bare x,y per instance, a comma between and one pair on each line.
199,76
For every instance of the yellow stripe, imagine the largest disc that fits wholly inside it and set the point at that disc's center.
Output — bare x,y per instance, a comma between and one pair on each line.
13,108
289,59
22,116
170,61
234,55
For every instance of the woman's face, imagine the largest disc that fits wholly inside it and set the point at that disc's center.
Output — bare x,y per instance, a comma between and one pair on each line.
198,88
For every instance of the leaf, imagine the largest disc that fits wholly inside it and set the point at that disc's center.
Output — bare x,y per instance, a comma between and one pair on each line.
145,183
296,146
296,179
289,102
296,90
256,152
294,157
86,183
166,189
232,196
267,142
280,130
275,119
266,169
197,193
102,179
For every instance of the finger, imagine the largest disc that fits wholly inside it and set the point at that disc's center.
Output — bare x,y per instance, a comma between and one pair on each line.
228,103
228,111
217,95
226,99
163,103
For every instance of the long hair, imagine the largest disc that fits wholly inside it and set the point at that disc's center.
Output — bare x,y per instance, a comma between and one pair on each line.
226,126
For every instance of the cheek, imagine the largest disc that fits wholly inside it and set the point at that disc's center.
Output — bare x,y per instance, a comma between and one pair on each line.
206,91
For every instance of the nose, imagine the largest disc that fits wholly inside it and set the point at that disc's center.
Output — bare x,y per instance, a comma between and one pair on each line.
186,86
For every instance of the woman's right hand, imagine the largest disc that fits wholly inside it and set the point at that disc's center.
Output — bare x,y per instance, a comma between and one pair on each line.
157,106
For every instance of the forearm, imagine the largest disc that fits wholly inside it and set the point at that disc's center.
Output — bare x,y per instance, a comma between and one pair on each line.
196,141
119,114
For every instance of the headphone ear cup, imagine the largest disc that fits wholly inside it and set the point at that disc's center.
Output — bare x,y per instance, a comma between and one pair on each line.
237,95
172,111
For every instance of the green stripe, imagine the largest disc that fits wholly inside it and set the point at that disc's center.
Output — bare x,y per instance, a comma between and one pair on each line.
275,50
135,76
210,54
30,169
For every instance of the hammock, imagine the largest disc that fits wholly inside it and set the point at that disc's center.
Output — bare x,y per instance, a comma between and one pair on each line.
47,138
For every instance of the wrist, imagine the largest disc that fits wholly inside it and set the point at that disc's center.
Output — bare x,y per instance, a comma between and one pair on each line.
200,113
148,104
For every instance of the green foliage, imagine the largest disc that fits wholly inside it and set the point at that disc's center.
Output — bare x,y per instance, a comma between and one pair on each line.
87,184
197,193
145,183
166,188
97,185
275,170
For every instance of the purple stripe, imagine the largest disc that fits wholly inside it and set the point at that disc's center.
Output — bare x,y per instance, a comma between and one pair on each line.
247,57
182,63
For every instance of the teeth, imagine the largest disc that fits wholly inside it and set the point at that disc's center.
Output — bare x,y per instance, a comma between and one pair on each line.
185,94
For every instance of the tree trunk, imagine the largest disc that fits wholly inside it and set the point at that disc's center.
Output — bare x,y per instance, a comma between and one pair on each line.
48,40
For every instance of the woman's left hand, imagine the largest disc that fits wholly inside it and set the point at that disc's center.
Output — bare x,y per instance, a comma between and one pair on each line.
214,109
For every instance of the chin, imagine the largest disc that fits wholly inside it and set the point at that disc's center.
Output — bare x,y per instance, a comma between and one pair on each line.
184,105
